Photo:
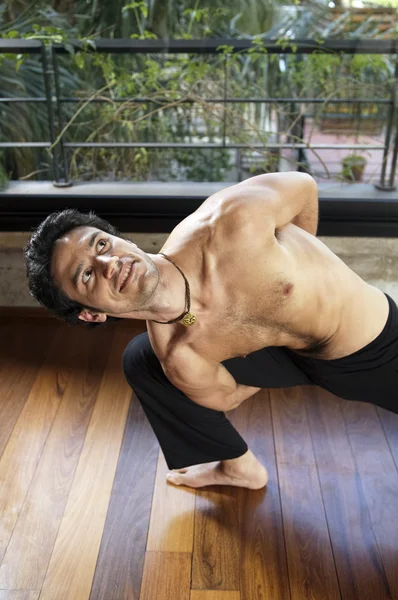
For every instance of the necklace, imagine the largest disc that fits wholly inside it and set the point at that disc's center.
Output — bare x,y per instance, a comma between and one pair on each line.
186,318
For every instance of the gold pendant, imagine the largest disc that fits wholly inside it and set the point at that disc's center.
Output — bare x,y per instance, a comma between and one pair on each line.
188,319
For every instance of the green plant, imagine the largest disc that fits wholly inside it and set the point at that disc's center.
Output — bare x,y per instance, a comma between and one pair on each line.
174,86
3,174
21,76
353,167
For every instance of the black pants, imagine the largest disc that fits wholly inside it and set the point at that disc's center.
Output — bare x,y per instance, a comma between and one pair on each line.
369,374
191,434
188,433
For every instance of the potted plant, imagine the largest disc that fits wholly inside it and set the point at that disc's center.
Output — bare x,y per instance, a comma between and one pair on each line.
353,167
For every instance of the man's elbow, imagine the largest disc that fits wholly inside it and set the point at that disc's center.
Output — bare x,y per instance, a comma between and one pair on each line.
216,402
308,217
220,404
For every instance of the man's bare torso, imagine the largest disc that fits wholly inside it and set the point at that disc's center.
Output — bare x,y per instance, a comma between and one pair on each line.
252,288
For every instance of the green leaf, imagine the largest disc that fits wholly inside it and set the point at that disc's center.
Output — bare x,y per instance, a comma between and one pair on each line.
79,60
141,6
69,48
225,49
131,6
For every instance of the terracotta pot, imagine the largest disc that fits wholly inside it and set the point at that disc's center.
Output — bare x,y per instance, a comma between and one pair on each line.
353,167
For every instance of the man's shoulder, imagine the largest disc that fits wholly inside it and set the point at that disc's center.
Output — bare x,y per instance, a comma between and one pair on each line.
238,210
242,219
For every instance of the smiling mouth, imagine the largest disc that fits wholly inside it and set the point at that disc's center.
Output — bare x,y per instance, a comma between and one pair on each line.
126,277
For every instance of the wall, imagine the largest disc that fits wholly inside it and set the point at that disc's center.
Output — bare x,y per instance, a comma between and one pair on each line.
374,259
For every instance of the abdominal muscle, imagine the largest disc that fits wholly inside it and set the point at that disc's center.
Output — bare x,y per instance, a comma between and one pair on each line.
351,313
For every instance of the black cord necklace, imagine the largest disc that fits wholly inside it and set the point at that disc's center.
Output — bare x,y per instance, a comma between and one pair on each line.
186,318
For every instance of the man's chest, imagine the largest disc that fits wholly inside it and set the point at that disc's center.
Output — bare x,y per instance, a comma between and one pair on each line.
228,330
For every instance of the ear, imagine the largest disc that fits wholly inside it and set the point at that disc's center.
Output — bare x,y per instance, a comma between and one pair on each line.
91,317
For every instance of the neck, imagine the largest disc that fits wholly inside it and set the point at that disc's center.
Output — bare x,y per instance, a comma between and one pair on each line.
168,299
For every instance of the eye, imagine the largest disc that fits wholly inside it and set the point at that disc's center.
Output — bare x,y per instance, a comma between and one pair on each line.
103,242
86,275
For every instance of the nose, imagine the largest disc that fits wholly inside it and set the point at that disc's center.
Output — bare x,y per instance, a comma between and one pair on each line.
108,265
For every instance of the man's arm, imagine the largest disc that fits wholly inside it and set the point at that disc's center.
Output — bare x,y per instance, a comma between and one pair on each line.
206,383
290,197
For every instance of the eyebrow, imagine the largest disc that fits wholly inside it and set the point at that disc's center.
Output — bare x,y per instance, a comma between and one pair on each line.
80,267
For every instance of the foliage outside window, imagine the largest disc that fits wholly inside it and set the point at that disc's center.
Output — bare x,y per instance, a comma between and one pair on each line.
175,87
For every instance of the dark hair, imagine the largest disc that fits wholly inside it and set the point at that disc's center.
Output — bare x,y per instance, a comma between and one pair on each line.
38,255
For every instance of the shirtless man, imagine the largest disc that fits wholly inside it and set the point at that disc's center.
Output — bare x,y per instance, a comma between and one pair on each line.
255,281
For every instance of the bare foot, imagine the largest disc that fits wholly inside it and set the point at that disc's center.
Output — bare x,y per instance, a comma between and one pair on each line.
245,471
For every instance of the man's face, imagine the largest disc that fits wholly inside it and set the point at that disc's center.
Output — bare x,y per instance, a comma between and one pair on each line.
100,270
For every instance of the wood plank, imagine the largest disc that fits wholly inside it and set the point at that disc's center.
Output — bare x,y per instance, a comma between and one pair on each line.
368,441
389,421
379,480
311,569
292,435
171,526
359,566
381,495
263,562
7,328
24,347
120,564
28,554
216,543
312,572
71,568
19,594
26,312
24,448
166,576
213,595
328,431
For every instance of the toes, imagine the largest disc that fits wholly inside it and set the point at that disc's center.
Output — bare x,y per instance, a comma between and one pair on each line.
173,478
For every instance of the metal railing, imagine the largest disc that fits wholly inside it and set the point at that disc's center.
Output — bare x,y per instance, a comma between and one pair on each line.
54,100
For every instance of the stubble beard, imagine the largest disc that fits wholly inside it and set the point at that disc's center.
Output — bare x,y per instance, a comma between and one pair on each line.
150,284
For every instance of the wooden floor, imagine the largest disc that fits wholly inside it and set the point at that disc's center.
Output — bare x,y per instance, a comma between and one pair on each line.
86,514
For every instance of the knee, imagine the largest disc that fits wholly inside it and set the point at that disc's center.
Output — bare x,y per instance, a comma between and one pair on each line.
137,357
